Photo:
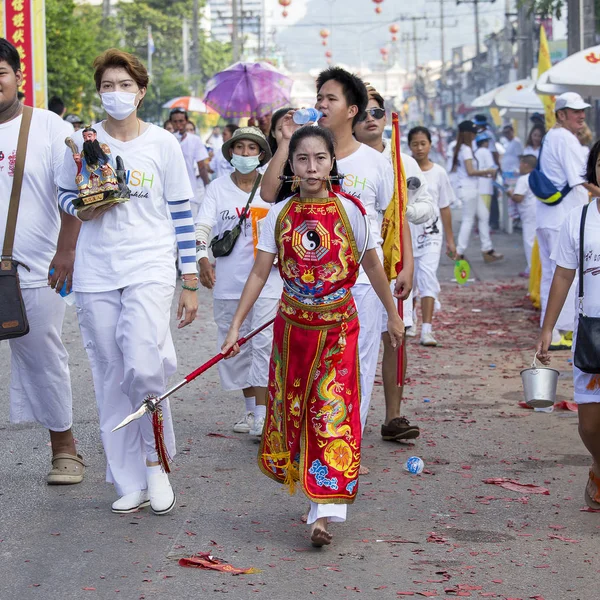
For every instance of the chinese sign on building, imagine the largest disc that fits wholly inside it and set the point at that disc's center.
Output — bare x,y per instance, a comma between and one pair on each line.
22,23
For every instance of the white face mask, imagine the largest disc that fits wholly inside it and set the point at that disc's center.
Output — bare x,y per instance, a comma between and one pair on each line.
244,164
119,105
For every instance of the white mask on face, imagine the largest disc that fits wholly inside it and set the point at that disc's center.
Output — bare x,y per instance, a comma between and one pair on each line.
119,105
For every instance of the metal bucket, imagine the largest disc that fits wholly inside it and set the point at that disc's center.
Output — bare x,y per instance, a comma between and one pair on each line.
539,385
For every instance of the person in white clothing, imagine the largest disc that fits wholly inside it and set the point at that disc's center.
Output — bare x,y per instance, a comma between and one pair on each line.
427,237
216,139
420,209
40,384
562,162
566,255
534,140
485,161
467,173
222,210
513,150
526,203
195,155
125,277
343,98
219,165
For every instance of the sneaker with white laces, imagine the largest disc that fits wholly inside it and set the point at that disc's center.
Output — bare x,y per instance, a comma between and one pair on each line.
427,339
257,427
245,424
411,331
161,494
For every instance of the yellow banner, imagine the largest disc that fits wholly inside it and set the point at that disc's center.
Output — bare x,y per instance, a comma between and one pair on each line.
544,63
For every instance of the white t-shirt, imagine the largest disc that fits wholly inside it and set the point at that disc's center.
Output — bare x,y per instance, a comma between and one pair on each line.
221,210
531,151
193,151
268,243
510,159
369,176
485,160
220,166
566,255
38,221
133,242
462,176
428,236
562,162
522,189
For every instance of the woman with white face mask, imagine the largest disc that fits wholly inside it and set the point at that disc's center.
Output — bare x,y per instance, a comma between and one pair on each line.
125,278
225,202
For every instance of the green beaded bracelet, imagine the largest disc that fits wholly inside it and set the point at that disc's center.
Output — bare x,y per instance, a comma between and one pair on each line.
191,289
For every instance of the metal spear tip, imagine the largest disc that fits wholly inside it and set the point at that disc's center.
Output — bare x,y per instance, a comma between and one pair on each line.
140,412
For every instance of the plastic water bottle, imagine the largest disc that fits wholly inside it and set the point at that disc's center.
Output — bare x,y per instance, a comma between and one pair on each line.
66,296
306,115
414,465
546,409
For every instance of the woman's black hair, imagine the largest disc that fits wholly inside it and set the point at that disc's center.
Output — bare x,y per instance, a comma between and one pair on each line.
419,129
275,117
539,127
285,191
461,139
590,172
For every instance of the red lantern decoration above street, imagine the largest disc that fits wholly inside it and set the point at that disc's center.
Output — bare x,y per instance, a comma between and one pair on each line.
328,54
324,33
384,54
285,4
378,8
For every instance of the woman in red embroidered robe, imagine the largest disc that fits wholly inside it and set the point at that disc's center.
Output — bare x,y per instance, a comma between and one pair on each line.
312,431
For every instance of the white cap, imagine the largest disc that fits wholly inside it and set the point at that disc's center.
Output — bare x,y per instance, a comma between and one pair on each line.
570,100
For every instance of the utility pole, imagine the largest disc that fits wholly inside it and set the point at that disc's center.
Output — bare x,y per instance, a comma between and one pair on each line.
475,4
185,54
580,25
235,40
525,34
105,10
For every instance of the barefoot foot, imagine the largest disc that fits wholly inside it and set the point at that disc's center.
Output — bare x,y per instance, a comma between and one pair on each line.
319,536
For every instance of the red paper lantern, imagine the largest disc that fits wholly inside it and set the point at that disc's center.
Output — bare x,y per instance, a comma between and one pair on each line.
378,8
384,51
284,13
394,28
394,38
285,4
328,54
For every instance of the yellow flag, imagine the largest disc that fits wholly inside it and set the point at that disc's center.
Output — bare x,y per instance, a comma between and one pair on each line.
393,219
544,63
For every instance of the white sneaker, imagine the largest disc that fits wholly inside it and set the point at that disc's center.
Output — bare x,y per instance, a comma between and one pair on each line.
427,339
160,492
245,424
257,427
411,331
131,502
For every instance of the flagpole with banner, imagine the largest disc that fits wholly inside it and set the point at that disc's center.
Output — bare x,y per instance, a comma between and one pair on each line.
392,229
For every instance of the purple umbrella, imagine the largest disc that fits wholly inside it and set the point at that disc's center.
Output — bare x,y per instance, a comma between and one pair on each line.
248,90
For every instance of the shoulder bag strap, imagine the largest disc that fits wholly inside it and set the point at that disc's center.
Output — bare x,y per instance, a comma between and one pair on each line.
581,252
252,193
15,194
539,159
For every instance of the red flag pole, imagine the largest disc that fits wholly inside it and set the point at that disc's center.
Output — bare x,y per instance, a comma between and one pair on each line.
398,183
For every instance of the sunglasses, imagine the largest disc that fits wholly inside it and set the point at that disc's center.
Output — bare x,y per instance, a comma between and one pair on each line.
376,113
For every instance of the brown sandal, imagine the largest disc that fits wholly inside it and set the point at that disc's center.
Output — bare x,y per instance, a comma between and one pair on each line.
66,469
593,501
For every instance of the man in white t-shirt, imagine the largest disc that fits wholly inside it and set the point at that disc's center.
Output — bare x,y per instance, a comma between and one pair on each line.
195,155
420,209
562,161
219,165
512,150
342,99
40,384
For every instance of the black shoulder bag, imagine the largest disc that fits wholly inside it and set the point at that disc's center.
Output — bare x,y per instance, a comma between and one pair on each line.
223,245
13,318
587,346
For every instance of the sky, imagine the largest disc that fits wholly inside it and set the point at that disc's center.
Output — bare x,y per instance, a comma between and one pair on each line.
357,33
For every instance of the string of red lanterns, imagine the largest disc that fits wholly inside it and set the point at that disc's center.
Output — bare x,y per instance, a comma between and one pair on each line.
285,4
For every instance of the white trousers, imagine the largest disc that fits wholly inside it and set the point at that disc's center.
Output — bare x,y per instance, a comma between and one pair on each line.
335,513
128,341
527,216
40,384
425,279
473,207
251,366
547,239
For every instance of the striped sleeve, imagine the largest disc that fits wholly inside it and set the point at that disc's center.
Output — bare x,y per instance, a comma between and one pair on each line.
65,201
181,213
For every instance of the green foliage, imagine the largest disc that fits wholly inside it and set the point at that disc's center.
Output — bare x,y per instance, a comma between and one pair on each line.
549,8
77,33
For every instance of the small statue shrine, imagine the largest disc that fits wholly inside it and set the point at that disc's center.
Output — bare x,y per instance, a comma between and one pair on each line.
97,179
